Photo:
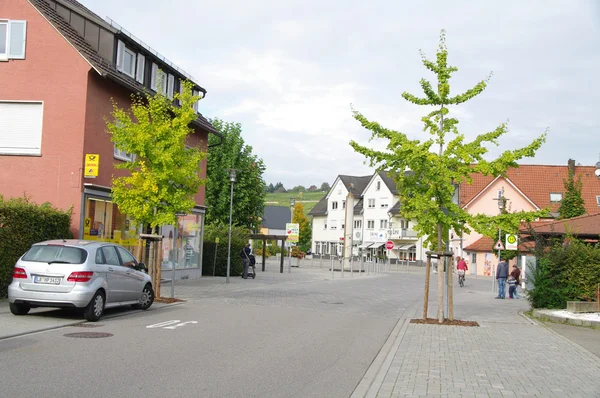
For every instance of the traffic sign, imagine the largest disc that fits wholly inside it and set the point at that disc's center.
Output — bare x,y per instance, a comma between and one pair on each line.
499,245
389,245
512,242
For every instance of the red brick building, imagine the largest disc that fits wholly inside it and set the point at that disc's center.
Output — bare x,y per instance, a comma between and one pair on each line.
60,65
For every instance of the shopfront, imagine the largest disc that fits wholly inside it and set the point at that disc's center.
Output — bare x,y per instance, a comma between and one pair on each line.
181,247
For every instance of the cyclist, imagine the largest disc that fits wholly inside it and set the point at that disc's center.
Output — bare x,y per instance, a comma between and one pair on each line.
462,268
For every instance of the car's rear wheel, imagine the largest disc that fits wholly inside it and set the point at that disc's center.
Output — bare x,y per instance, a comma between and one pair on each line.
19,309
95,308
146,299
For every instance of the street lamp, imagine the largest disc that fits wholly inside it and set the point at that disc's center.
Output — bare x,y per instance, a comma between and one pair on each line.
292,204
502,207
232,179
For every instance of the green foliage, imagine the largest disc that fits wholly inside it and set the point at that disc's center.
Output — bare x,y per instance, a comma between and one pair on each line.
298,216
569,270
426,193
239,238
22,224
249,187
504,254
325,187
572,204
164,173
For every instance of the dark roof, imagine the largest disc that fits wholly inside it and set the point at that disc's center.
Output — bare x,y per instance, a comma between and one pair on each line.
358,184
587,225
388,179
275,217
358,207
395,210
320,208
102,66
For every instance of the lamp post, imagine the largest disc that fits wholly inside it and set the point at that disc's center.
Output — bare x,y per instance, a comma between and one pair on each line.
502,207
292,204
232,179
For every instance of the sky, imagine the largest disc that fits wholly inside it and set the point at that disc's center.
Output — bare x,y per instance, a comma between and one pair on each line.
289,71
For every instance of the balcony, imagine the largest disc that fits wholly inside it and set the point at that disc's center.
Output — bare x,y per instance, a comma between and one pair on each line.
398,233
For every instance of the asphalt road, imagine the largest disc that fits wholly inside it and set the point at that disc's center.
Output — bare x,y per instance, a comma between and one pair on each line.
298,338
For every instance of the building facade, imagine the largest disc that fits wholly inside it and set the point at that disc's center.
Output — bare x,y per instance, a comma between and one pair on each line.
61,65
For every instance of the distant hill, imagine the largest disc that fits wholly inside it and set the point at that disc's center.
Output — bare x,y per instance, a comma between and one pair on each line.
308,199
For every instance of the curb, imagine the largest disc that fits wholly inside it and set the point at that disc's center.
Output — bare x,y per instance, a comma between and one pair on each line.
570,321
45,329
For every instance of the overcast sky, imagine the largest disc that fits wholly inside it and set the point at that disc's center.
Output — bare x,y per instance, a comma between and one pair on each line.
289,70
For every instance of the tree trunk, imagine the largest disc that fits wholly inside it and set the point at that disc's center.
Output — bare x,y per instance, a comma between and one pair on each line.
440,269
426,299
450,268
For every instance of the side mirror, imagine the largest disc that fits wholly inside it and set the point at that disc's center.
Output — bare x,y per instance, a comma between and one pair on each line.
142,267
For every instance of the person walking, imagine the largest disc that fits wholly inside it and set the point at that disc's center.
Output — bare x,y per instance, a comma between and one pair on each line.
245,254
516,273
512,283
501,275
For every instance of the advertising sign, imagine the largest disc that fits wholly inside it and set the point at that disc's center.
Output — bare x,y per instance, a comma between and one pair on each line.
292,230
91,166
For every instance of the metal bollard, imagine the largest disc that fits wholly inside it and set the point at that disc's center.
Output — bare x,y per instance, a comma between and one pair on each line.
331,266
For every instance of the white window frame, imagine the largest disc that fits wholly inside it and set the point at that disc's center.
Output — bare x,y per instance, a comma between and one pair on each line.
25,150
370,224
404,224
121,50
357,223
554,197
370,203
140,68
598,200
195,106
122,155
384,205
170,86
9,28
334,205
156,72
383,224
333,224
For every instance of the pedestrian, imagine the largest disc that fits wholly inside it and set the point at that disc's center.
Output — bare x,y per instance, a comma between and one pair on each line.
516,273
512,284
501,275
245,254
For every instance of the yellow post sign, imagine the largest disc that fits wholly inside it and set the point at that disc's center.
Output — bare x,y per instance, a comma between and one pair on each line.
91,166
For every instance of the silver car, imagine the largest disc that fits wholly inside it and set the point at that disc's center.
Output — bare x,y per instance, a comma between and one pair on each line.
79,274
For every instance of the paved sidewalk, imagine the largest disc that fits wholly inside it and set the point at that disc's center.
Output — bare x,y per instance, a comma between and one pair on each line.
509,355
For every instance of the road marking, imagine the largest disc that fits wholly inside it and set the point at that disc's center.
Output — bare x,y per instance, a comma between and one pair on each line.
170,324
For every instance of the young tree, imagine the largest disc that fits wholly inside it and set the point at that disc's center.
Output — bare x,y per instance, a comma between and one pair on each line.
298,216
441,161
164,172
325,187
249,187
572,204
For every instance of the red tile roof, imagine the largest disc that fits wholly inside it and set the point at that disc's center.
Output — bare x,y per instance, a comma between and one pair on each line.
538,181
588,225
486,244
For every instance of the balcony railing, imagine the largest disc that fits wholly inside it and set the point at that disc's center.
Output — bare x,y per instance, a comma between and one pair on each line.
398,233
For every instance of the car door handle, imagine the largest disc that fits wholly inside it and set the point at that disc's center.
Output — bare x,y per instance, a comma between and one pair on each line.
128,272
111,269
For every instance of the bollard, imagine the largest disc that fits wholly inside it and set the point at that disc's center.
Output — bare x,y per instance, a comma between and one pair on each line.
331,266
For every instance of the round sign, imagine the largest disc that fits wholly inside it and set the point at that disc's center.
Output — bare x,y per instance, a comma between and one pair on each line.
512,239
389,245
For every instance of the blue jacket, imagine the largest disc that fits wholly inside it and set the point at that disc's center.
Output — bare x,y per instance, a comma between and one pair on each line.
502,270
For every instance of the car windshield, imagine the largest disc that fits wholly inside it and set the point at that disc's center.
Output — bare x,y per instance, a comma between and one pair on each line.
55,254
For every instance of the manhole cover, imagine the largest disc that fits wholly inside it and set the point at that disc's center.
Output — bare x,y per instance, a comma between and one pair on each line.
88,335
87,325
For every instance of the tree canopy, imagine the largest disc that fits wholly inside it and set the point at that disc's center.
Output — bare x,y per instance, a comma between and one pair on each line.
572,204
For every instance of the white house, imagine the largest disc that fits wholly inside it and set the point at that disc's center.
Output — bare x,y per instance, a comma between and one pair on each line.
375,220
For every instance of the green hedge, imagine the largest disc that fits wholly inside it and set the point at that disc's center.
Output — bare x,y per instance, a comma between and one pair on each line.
568,270
239,237
23,223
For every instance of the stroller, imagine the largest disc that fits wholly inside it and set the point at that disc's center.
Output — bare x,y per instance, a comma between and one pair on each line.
252,267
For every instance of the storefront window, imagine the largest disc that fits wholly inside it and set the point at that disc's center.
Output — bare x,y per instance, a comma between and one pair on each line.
104,222
181,247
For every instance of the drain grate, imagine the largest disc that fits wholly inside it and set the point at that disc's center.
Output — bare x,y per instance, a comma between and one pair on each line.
87,325
88,335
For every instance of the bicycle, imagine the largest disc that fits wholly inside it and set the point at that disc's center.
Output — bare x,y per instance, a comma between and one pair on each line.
461,277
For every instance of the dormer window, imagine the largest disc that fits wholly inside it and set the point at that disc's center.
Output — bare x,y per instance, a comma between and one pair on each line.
126,59
141,67
158,81
555,197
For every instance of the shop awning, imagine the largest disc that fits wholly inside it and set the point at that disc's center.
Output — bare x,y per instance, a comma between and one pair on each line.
364,245
376,245
404,247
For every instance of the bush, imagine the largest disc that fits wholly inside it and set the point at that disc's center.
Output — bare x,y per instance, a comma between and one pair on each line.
23,223
239,238
567,271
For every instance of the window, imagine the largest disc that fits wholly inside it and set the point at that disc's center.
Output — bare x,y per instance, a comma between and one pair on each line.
598,200
48,253
110,255
404,224
342,226
383,224
325,225
126,258
334,205
141,67
21,127
333,224
125,60
500,193
473,258
196,93
122,155
357,223
384,205
158,80
378,186
12,39
370,224
170,86
371,203
343,204
555,197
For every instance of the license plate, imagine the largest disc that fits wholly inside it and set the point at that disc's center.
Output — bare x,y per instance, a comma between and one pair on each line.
47,280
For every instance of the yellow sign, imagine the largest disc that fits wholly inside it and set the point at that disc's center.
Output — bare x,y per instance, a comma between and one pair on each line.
217,240
86,226
91,166
292,230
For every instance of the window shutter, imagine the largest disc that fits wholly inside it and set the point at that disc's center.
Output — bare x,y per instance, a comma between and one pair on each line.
141,67
120,51
21,126
17,35
153,77
170,86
